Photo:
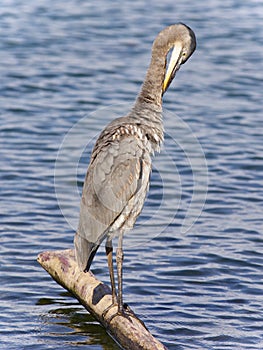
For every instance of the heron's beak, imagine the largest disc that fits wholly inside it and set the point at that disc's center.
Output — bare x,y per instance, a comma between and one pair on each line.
174,65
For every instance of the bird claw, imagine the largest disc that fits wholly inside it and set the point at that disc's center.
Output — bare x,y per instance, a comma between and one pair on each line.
108,309
124,311
128,312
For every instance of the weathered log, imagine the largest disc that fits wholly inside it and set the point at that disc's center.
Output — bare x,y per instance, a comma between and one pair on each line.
129,332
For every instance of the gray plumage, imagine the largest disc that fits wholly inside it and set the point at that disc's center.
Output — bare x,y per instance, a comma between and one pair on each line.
118,175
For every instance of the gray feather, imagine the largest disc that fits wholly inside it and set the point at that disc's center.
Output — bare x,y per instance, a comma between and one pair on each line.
117,179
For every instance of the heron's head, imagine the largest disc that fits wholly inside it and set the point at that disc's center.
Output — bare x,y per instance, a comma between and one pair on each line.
180,41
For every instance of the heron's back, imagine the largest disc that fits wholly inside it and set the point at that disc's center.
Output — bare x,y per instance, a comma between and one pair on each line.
115,186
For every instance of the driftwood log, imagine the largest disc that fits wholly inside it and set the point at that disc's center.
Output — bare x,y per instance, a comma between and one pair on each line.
129,332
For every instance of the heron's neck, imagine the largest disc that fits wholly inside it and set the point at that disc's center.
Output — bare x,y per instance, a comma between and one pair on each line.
151,91
147,109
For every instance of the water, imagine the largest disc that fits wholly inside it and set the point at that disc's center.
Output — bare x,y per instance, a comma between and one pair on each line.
62,61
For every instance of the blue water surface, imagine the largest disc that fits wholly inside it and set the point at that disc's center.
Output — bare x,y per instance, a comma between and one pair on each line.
196,280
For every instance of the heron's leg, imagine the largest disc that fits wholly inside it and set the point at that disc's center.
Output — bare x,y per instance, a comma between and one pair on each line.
109,251
124,310
119,260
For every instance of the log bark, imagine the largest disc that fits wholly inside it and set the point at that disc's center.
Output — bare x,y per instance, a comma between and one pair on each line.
129,332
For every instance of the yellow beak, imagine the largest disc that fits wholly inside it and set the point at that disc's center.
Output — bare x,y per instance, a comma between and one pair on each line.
173,66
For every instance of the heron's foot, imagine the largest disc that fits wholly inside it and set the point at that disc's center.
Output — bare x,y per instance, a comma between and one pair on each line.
112,305
129,313
123,310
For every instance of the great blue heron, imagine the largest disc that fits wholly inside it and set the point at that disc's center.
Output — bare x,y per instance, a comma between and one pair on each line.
118,175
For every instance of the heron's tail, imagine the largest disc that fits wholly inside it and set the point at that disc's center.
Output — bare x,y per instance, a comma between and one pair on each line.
84,251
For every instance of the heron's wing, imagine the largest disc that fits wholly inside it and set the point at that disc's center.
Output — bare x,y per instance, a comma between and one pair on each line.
115,175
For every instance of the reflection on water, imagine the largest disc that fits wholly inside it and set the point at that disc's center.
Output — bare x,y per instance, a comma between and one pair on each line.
72,324
60,62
